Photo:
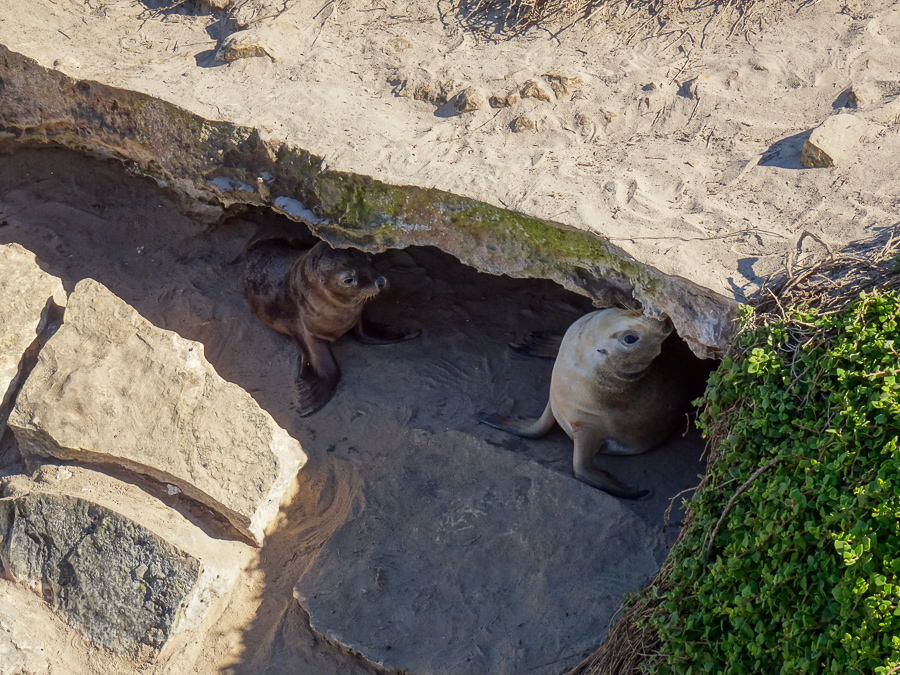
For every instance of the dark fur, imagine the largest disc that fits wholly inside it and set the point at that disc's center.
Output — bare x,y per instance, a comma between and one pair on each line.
303,293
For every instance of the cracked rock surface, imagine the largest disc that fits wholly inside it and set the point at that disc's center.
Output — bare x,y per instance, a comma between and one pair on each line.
26,293
111,388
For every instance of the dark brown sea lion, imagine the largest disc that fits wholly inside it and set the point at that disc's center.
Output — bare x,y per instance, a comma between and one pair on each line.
613,390
315,295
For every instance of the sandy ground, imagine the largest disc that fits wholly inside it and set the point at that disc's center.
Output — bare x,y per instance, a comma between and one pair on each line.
85,218
680,141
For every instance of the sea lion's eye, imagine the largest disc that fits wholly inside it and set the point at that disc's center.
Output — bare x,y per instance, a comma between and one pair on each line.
630,339
349,281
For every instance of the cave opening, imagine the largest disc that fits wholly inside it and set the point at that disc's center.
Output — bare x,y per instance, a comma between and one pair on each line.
404,416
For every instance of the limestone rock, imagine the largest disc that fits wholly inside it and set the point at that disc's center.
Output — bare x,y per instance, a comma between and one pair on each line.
470,99
421,85
504,101
865,93
246,44
42,106
835,142
532,89
26,292
468,560
523,123
111,388
562,84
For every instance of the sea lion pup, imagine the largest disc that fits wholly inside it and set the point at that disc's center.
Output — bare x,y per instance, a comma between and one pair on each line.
315,295
608,391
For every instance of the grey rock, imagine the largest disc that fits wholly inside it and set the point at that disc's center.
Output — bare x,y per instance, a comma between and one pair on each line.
464,560
111,388
26,292
82,558
159,530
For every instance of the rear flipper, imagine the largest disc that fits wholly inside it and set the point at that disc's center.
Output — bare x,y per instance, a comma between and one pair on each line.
520,426
587,444
317,377
371,333
540,344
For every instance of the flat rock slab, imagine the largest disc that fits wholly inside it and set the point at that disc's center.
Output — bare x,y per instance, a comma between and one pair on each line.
25,294
460,561
111,388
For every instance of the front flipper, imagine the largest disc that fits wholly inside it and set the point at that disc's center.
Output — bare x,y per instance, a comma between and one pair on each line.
540,344
520,426
318,376
587,444
371,333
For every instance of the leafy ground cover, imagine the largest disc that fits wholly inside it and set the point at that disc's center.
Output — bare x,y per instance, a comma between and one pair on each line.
799,570
789,560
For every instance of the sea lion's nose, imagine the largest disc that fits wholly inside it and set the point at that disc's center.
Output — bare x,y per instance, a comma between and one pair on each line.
380,282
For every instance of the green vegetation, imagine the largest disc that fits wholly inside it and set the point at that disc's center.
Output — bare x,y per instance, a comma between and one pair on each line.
791,560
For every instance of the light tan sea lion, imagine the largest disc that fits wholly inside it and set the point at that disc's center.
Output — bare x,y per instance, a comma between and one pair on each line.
611,391
315,295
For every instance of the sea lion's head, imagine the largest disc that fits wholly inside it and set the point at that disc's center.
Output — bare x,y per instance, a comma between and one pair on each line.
345,274
628,342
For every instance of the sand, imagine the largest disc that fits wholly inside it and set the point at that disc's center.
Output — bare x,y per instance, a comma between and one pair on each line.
86,218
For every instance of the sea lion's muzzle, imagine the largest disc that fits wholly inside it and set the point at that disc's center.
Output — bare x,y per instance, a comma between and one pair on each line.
380,282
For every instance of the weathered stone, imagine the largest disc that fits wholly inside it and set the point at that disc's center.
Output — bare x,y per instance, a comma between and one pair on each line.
470,99
82,517
26,292
865,93
464,560
532,89
421,85
523,123
111,388
504,101
835,142
113,579
562,84
247,44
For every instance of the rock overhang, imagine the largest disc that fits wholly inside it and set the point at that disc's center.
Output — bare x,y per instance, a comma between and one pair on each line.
216,166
